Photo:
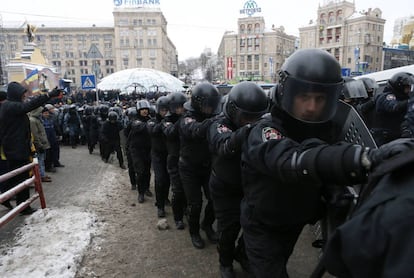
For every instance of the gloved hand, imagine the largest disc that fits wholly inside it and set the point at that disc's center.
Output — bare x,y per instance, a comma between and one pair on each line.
55,92
67,130
238,137
371,158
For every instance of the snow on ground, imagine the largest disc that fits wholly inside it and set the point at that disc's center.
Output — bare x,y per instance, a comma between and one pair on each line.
50,244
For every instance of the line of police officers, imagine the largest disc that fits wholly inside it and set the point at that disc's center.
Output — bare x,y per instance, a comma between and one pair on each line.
263,175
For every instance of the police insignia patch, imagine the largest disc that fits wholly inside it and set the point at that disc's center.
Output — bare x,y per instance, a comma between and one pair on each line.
222,128
390,97
188,120
269,133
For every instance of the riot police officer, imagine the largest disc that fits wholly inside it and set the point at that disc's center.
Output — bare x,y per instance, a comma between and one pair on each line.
139,146
246,103
159,155
110,137
131,114
391,107
287,160
176,101
195,161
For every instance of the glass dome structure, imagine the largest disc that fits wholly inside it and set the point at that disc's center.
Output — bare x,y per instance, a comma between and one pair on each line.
141,80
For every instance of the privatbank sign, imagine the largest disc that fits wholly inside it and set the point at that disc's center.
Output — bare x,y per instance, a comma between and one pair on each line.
135,3
250,8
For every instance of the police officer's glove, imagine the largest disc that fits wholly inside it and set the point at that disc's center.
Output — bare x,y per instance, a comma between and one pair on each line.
371,158
237,138
55,92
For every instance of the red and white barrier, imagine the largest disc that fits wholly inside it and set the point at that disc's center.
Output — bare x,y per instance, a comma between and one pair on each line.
35,179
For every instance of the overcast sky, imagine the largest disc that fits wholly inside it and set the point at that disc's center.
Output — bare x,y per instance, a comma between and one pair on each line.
196,25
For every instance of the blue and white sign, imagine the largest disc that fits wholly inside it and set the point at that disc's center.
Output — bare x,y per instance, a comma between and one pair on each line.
135,3
250,8
88,82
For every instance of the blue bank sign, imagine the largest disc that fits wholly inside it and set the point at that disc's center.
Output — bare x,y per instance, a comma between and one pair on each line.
250,8
135,3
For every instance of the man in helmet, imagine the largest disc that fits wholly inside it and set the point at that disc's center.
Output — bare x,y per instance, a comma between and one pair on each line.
195,161
111,138
159,155
139,147
245,104
176,101
391,107
131,114
291,155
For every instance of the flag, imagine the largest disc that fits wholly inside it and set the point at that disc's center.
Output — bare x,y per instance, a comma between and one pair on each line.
32,81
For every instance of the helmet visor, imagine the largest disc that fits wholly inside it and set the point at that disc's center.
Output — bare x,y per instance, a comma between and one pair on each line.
310,101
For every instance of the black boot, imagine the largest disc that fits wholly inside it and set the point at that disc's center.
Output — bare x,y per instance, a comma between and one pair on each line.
161,212
7,204
227,271
141,198
211,234
27,211
197,241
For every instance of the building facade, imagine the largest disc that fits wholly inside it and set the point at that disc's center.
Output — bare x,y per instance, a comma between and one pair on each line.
252,53
137,38
354,38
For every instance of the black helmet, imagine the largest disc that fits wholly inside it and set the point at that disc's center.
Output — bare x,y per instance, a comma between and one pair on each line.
176,100
246,103
103,109
310,71
131,113
400,80
116,109
205,99
162,103
112,116
88,110
143,104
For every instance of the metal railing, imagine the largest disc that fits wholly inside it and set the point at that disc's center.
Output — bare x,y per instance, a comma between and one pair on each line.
34,179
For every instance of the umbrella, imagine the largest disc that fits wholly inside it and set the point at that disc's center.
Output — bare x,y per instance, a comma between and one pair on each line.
141,80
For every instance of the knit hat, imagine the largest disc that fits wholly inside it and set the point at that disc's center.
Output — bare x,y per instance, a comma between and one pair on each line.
15,91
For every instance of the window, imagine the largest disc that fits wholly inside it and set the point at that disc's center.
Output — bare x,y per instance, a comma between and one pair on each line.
83,63
54,38
109,62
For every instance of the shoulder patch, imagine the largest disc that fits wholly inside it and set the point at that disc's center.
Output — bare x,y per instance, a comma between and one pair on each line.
188,120
390,97
270,133
223,128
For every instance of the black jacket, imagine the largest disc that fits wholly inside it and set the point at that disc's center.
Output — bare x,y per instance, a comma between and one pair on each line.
15,133
378,240
285,164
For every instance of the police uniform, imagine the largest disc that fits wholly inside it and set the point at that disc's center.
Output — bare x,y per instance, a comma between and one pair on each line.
159,155
280,195
226,191
195,166
178,202
390,108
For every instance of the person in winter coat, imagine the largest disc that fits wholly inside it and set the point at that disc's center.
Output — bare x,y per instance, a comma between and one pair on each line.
40,140
15,134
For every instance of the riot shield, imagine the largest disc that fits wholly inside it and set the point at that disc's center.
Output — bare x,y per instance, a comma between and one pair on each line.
354,129
341,201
